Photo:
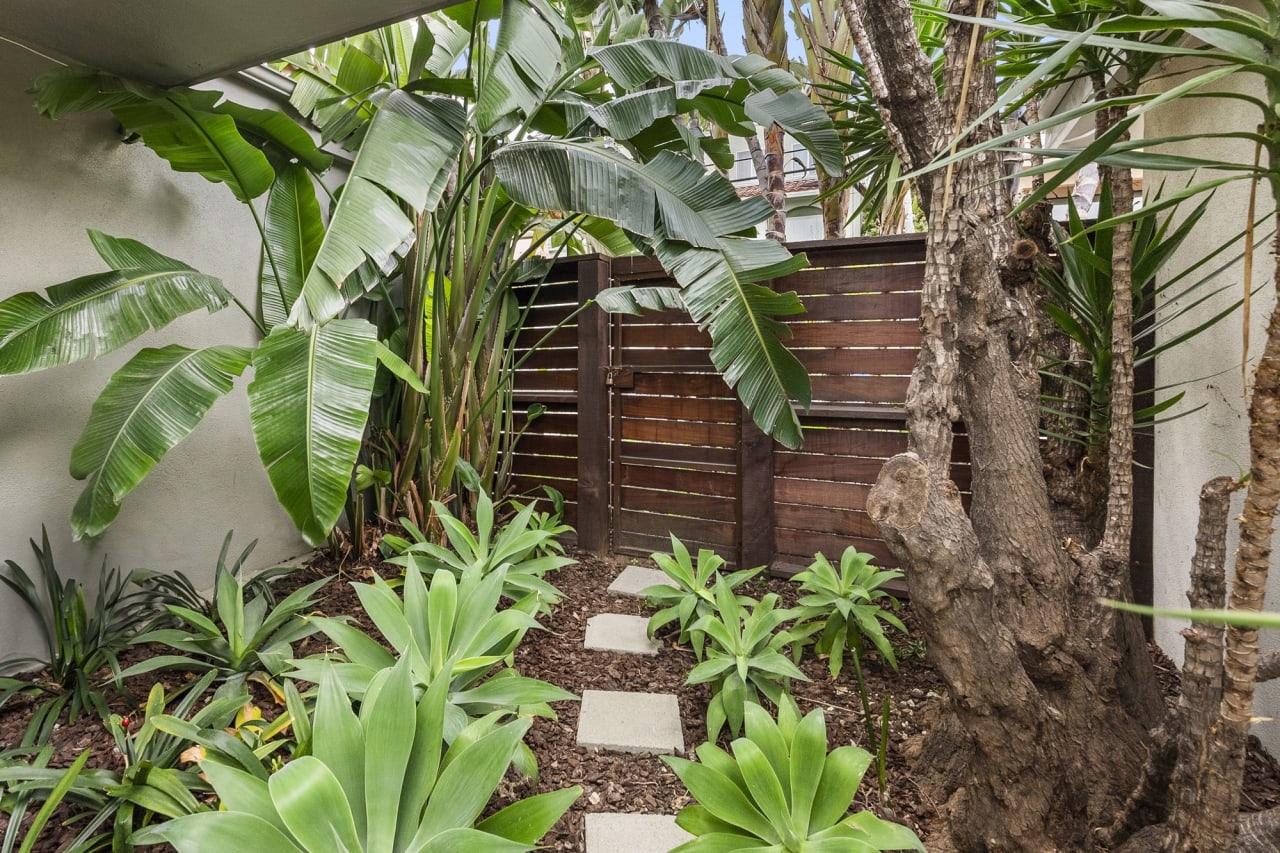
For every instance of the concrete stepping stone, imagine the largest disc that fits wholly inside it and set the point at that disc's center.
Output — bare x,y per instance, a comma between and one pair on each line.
635,578
633,833
630,722
613,632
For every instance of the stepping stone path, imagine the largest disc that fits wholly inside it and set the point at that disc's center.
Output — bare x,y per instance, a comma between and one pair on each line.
629,722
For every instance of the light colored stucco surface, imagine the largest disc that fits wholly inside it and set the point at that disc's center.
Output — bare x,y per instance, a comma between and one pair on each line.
58,179
1213,441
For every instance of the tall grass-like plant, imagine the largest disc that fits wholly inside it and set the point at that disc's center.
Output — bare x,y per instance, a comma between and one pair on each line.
377,780
80,641
781,790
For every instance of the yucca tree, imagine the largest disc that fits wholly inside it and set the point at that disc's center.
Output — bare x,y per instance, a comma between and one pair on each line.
528,121
975,366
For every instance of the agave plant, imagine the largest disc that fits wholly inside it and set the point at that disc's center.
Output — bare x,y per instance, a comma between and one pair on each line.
377,780
452,630
780,790
529,121
517,546
693,595
843,607
744,657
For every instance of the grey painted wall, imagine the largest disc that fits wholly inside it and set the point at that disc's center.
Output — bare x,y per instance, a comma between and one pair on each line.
1214,441
56,180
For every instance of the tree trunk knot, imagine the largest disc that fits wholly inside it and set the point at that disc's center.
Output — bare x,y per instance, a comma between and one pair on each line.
901,493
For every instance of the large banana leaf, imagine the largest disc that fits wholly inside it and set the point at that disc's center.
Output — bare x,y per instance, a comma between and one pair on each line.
87,317
722,291
526,59
675,201
188,127
292,232
670,195
150,404
308,403
406,158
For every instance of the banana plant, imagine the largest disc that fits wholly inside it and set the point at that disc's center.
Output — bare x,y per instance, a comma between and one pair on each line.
529,122
377,780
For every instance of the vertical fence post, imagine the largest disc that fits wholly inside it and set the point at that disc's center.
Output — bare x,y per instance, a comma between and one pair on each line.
593,409
755,493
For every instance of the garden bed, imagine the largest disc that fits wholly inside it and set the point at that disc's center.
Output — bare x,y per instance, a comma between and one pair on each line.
630,783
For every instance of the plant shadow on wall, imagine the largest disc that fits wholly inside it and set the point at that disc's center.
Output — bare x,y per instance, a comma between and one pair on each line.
482,137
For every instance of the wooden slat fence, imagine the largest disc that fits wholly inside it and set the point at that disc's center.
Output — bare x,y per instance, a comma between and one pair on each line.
644,439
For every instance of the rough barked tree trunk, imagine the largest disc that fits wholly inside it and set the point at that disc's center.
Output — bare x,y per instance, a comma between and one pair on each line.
1035,744
765,33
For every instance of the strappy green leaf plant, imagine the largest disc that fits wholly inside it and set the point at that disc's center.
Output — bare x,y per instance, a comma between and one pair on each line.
693,594
80,641
111,804
242,637
781,790
379,779
744,657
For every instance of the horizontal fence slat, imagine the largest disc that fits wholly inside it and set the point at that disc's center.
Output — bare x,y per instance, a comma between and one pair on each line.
678,480
860,389
843,522
680,432
833,361
679,408
862,333
667,502
652,524
536,444
681,384
679,455
821,493
862,306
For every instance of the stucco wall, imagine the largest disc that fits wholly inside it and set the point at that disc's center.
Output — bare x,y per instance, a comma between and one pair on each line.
56,180
1213,441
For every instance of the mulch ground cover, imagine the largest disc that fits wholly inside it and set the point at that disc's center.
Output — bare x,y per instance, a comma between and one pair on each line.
632,783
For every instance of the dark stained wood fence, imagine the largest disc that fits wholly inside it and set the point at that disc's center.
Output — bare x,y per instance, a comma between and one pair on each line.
644,439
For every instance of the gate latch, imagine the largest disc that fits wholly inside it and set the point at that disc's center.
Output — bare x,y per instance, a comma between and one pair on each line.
620,377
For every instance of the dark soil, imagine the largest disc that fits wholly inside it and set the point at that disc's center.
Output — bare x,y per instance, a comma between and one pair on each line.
631,783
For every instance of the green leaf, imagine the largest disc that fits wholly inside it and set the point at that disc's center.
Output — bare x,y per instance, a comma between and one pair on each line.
389,720
882,834
627,299
217,832
808,124
151,403
406,157
240,792
293,230
397,365
90,316
722,798
338,740
467,783
723,293
840,779
310,801
529,819
308,403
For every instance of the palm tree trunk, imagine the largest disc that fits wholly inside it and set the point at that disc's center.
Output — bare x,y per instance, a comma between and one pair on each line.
766,35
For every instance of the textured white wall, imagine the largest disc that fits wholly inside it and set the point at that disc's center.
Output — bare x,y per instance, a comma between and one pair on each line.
1213,441
56,180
